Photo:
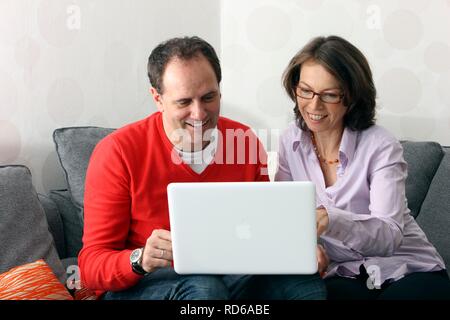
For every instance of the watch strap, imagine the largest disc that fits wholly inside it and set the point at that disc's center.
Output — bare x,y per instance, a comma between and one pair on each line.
136,266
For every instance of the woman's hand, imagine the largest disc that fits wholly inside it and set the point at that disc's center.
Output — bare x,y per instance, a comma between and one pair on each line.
322,260
157,251
321,221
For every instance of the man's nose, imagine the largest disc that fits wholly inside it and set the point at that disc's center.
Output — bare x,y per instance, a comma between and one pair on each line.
198,111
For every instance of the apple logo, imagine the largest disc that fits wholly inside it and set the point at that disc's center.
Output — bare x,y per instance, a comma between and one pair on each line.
243,231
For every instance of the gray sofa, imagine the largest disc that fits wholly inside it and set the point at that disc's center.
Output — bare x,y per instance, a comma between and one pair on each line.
427,190
65,207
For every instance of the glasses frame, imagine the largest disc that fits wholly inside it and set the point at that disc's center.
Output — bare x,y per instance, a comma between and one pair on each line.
294,89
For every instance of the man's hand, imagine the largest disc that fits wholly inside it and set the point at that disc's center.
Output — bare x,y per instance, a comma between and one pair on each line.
157,251
322,260
321,221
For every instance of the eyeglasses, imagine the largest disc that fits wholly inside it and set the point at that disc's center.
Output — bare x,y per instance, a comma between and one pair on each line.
326,97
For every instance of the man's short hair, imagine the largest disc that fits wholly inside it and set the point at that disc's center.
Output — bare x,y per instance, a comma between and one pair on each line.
349,66
184,48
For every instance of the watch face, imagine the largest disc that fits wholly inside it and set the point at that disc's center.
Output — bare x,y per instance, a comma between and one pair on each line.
135,255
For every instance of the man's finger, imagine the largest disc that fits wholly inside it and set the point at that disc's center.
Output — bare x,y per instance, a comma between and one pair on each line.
161,263
162,244
163,234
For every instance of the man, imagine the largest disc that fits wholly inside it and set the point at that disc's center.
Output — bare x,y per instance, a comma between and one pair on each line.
127,250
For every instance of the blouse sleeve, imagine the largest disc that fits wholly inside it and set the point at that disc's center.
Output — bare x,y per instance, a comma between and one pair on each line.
380,232
283,172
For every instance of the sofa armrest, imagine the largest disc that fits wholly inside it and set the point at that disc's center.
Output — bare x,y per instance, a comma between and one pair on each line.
434,217
54,223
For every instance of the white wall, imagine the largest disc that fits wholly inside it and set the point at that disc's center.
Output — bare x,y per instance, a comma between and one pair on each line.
407,43
81,62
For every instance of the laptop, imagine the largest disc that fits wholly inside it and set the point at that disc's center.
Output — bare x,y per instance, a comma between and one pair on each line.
243,227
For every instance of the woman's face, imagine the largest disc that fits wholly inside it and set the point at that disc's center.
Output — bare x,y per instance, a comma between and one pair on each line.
320,116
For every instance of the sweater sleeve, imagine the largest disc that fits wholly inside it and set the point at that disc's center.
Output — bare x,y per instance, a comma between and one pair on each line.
104,259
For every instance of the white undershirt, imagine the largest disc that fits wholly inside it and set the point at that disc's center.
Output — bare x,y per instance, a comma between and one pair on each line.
199,160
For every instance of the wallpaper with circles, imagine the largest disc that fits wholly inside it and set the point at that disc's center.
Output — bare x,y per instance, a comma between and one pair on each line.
407,43
81,62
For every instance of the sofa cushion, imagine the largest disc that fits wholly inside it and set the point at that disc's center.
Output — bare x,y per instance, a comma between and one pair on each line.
24,232
423,160
32,281
74,147
54,223
434,217
73,225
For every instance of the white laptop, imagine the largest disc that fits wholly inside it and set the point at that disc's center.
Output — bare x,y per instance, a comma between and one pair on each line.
243,227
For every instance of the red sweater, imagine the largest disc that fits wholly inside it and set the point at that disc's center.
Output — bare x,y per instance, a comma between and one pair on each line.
126,199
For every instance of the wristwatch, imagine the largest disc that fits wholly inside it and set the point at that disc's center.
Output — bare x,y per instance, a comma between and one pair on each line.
136,261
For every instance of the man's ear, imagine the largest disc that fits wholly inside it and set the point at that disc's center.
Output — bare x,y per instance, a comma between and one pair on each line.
157,98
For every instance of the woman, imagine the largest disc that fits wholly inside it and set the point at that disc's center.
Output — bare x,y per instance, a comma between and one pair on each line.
366,232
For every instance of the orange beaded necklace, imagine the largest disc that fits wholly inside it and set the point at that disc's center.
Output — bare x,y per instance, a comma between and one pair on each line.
321,159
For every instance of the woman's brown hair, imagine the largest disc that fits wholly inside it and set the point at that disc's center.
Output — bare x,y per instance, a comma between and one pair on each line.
349,66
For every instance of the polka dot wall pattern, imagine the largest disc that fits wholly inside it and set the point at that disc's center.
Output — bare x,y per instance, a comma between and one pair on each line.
415,6
381,49
427,78
114,70
230,28
309,5
74,62
259,34
8,96
100,121
80,57
27,52
236,56
422,127
406,41
401,90
59,21
443,88
268,102
437,57
403,29
12,24
323,22
10,142
65,102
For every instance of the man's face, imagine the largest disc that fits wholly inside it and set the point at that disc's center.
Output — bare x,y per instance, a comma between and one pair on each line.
190,102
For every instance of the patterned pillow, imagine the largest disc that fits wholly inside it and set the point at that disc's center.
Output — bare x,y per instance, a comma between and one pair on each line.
32,281
80,292
84,294
24,230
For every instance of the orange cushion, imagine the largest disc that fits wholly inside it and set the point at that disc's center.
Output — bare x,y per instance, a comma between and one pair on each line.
32,281
81,292
84,294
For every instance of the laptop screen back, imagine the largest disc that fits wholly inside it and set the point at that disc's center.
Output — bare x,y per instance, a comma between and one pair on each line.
243,227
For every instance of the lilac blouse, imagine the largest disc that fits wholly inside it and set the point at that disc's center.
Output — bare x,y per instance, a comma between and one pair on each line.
369,220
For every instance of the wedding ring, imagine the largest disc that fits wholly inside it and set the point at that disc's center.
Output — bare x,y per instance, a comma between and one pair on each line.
162,253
